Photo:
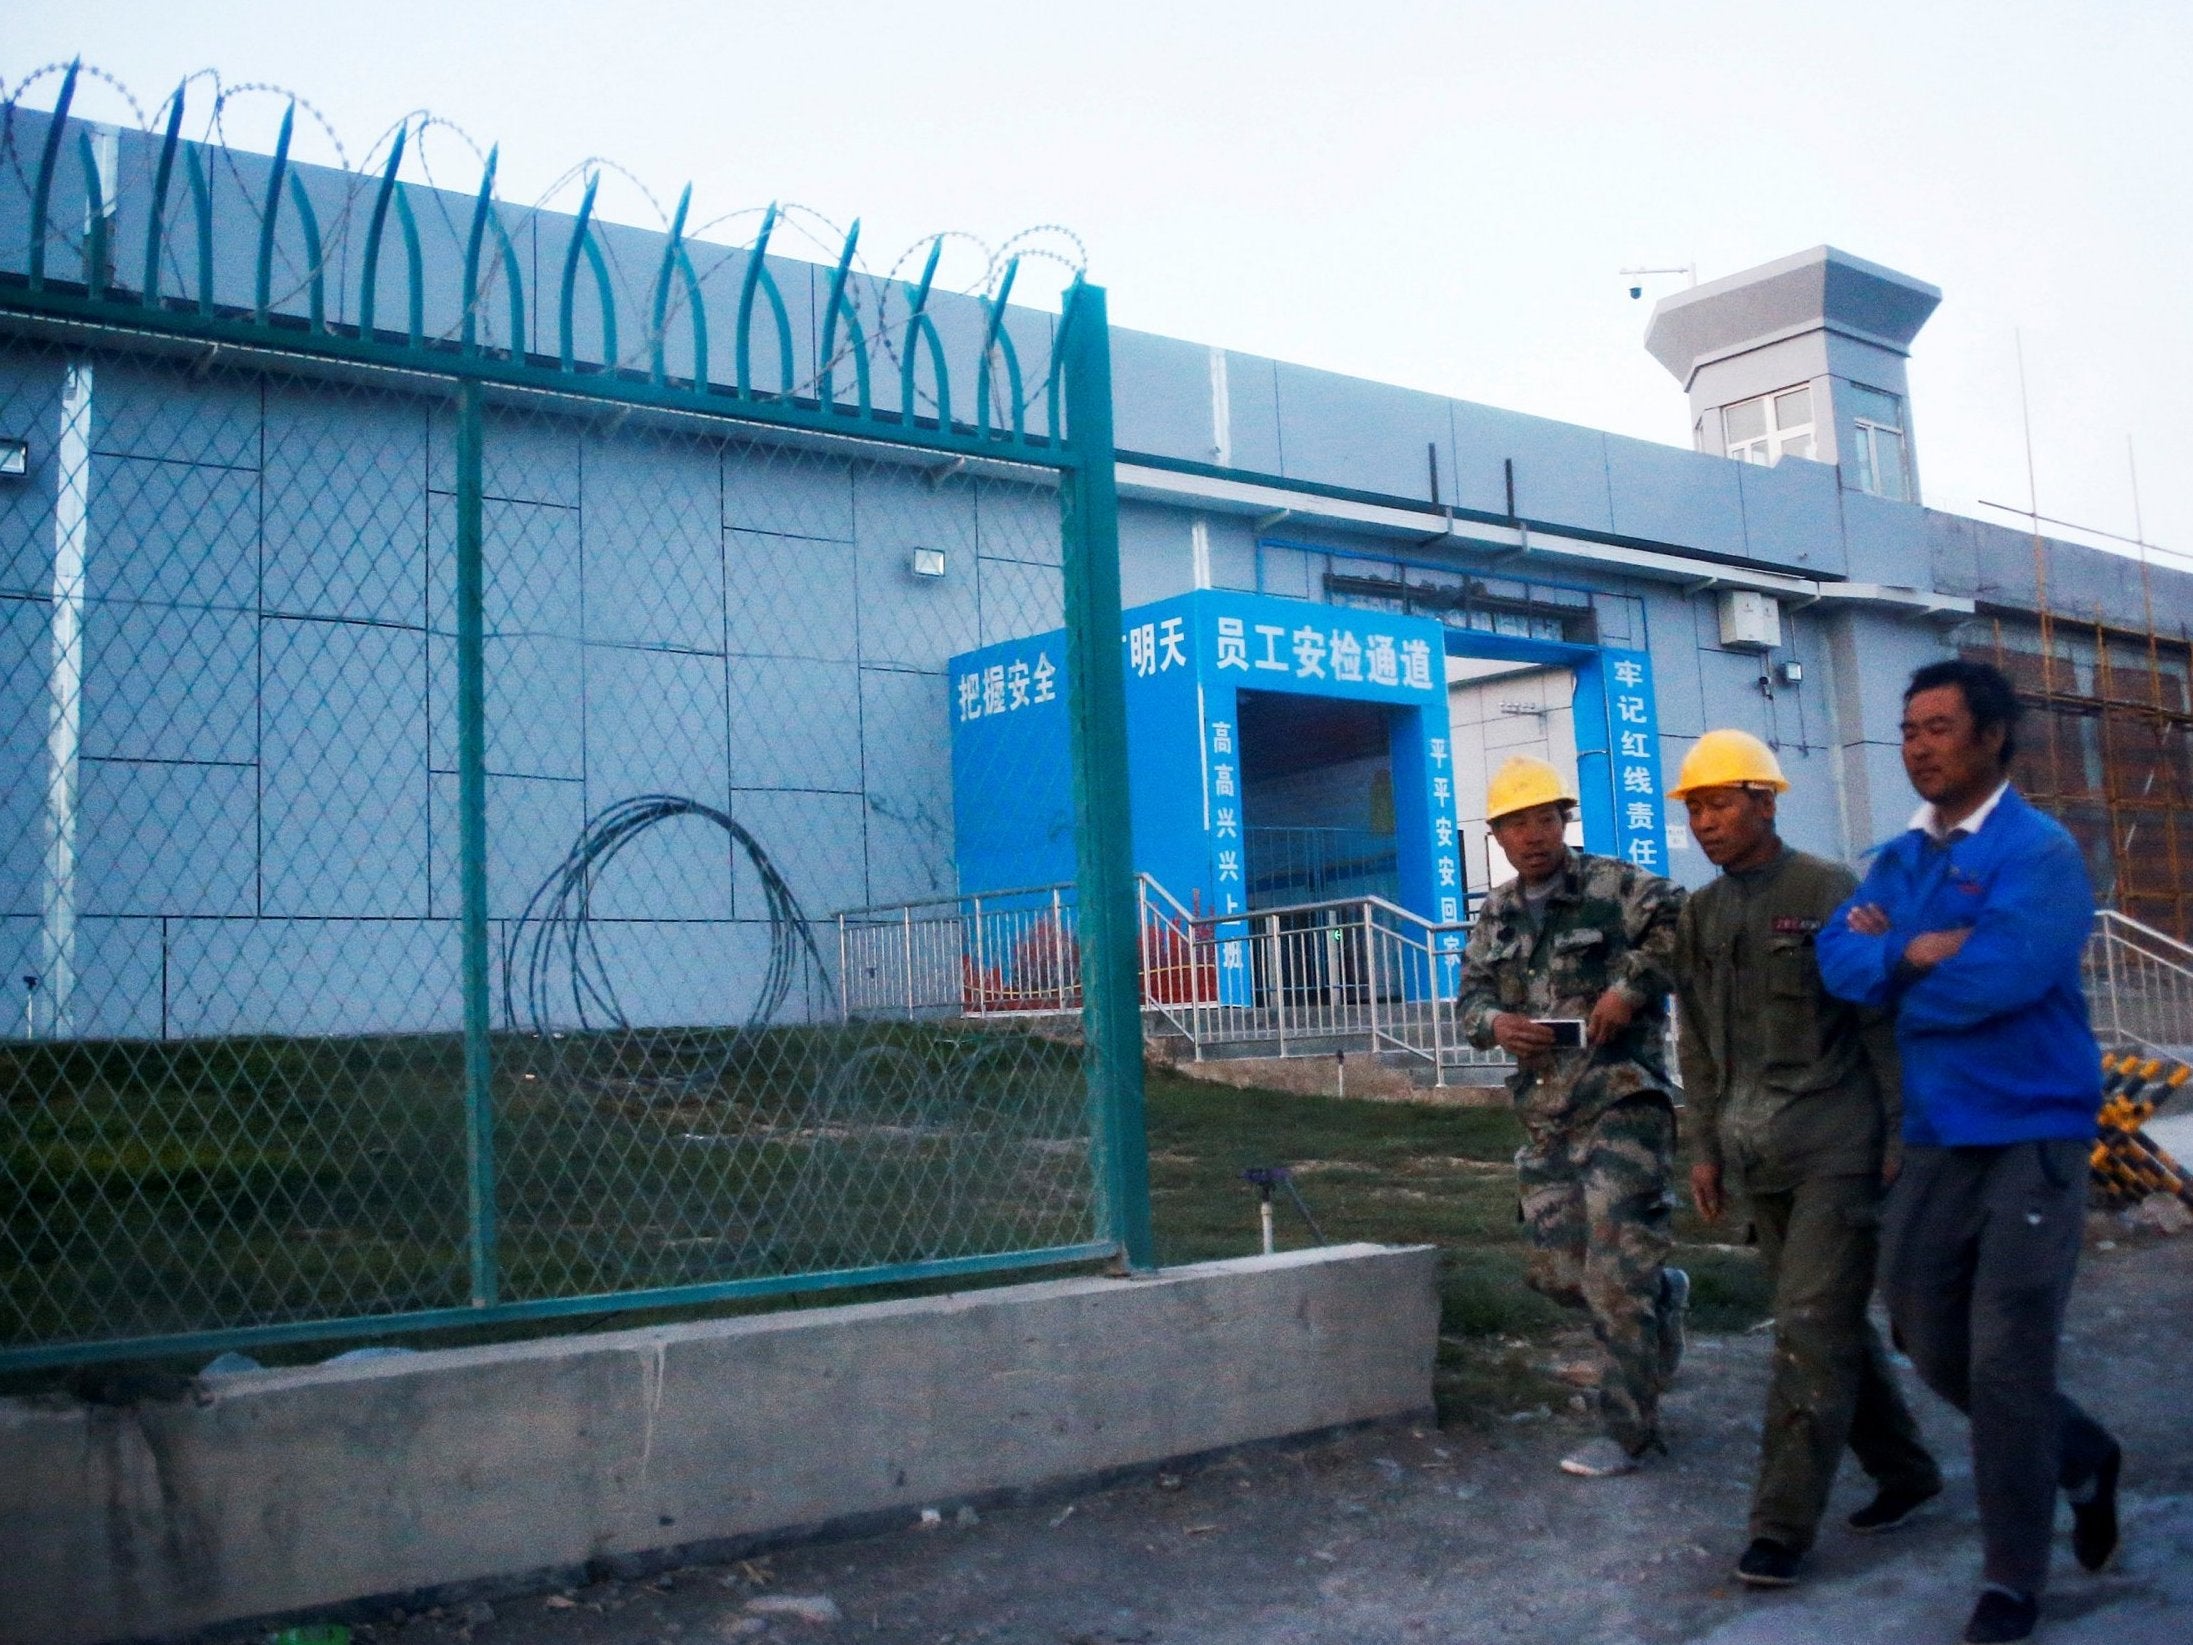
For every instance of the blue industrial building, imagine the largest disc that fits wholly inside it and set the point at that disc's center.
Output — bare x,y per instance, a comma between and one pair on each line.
845,652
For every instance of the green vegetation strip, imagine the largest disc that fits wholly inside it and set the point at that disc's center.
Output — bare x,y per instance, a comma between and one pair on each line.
1405,1174
173,1186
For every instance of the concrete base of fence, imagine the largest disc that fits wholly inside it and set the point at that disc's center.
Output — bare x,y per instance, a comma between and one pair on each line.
1367,1080
279,1491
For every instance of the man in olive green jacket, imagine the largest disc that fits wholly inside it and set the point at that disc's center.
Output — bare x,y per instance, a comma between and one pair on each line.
1792,1099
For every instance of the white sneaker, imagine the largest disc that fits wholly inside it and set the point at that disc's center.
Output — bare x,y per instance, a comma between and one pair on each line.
1600,1458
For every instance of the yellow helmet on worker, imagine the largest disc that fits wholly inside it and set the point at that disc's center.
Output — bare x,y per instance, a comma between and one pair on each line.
1729,759
1523,782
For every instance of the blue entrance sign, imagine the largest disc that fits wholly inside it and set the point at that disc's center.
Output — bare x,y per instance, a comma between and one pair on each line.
1618,759
1188,660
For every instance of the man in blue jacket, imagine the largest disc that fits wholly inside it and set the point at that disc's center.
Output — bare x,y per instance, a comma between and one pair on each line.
1970,927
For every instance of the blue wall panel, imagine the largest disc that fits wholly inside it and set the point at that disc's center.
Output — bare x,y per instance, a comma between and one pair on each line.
1157,552
167,839
30,409
1560,469
1791,518
532,824
525,457
1620,617
1019,599
1729,681
787,597
898,507
170,683
1252,397
1019,522
653,525
787,493
346,506
1163,391
152,408
795,723
534,705
1886,542
118,979
667,973
907,775
1672,630
173,533
817,842
1810,814
345,771
25,653
530,557
1674,496
1481,441
312,977
911,621
1233,552
1342,431
682,865
654,724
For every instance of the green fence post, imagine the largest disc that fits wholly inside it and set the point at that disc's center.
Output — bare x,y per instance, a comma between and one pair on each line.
472,850
1111,982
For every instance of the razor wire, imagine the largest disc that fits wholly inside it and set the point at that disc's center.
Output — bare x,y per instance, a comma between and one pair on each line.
869,300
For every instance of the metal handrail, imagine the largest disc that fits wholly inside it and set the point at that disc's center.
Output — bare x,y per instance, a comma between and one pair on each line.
2111,917
887,912
1357,971
2139,983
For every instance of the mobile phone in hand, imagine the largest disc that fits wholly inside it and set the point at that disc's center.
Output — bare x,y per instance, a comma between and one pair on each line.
1568,1032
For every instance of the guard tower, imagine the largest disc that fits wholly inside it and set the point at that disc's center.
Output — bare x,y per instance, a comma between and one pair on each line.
1803,357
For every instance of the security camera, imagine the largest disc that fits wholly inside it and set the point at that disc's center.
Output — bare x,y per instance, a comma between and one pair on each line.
1637,291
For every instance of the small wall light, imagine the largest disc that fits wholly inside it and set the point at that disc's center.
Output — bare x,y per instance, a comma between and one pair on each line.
14,459
1792,671
926,562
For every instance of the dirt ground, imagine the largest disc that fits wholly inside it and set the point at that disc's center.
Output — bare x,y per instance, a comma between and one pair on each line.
1418,1534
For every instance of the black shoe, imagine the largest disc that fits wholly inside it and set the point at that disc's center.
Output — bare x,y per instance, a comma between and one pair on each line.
1768,1564
2002,1615
2094,1521
1890,1507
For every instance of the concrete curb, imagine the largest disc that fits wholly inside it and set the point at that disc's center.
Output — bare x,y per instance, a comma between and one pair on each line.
278,1491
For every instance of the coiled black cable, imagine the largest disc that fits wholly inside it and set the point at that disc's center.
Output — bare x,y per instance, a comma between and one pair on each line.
557,922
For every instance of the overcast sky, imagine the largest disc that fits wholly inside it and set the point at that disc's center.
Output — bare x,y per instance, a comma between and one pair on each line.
1436,195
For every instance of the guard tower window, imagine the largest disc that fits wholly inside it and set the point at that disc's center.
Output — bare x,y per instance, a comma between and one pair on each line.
1772,427
1877,447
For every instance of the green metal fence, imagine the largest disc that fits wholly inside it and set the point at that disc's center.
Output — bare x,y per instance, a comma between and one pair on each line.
438,731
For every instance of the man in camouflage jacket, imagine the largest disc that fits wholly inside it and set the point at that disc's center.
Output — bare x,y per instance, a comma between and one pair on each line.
1591,938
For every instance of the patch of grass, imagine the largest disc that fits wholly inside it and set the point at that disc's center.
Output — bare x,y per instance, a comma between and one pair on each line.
157,1187
188,1186
1403,1174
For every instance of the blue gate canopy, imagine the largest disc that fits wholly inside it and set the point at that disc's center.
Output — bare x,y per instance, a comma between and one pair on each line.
1187,660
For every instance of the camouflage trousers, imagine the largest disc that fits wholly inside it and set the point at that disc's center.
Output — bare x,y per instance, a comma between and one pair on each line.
1596,1210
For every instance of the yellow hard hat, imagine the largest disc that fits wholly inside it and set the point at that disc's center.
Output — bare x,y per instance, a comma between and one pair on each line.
1729,759
1522,783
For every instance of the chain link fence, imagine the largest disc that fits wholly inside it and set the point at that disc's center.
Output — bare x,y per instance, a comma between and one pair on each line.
433,779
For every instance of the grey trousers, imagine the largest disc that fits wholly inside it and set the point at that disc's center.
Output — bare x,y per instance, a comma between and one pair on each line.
1977,1252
